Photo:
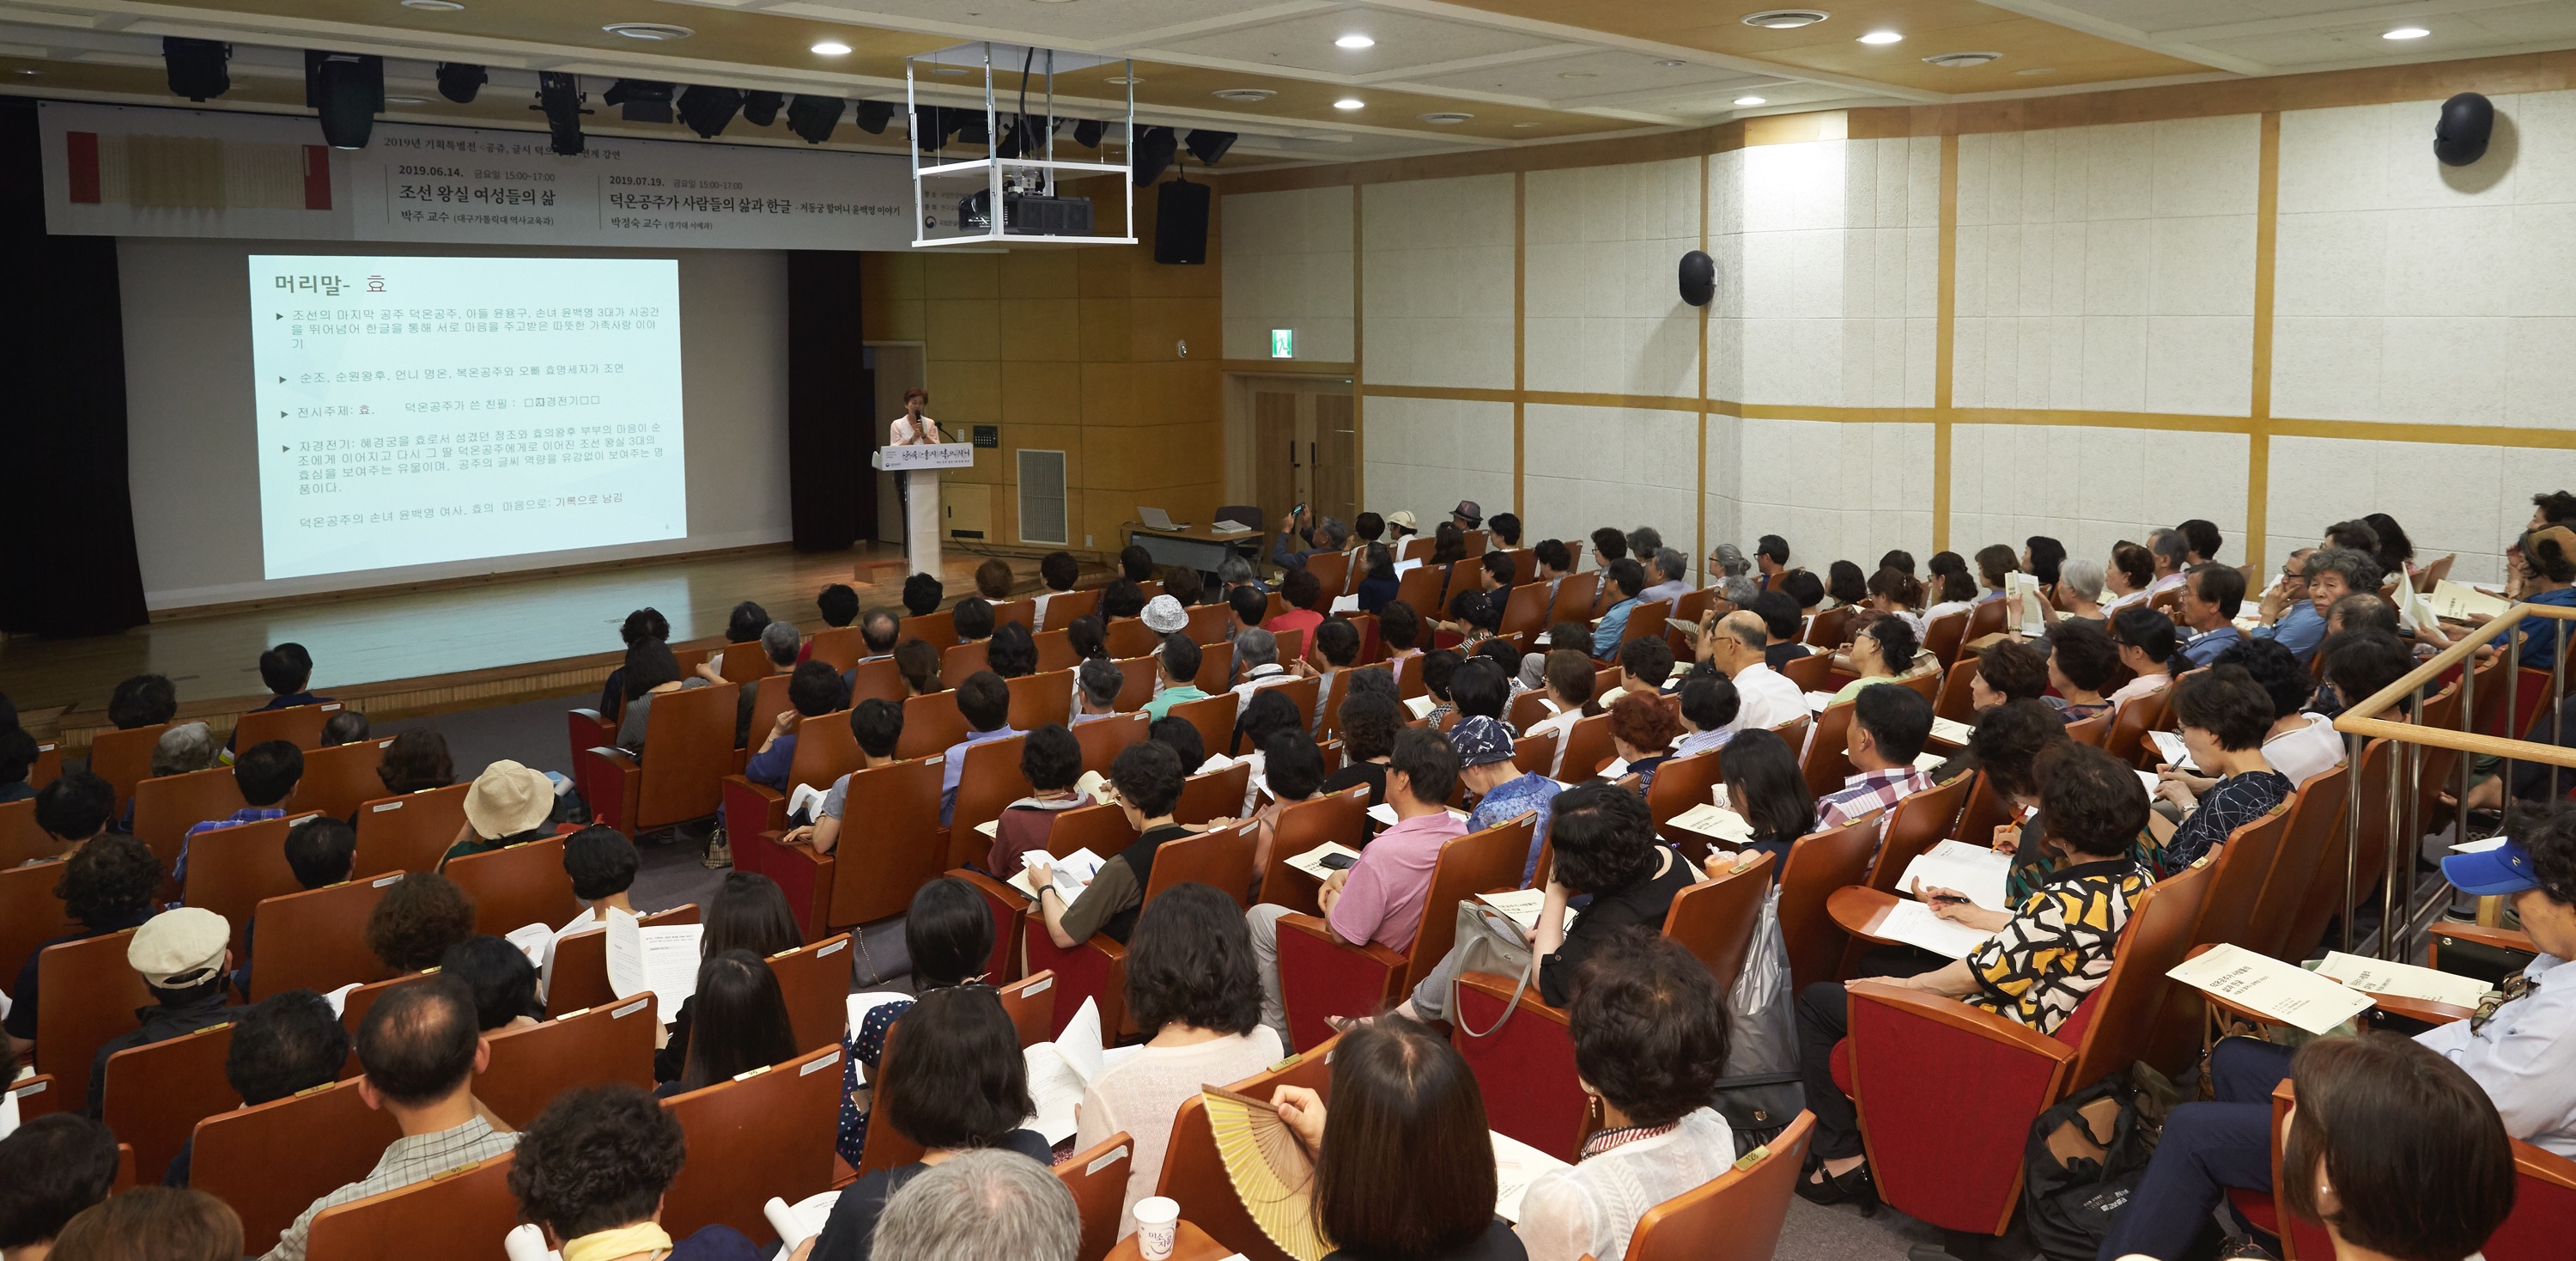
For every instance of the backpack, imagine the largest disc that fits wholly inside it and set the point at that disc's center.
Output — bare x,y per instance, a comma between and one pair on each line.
2084,1159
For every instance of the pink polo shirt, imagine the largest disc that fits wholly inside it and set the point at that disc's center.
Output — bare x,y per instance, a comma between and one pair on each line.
1382,900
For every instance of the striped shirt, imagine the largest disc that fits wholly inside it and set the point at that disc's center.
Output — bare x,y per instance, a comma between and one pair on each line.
1868,793
409,1159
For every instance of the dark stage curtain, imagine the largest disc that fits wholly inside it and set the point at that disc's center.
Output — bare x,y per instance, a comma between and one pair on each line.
68,516
831,404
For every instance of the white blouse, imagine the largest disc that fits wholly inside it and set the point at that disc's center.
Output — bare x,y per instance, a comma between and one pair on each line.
1594,1206
2306,753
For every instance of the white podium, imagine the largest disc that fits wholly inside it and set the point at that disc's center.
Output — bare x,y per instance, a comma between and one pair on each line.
916,469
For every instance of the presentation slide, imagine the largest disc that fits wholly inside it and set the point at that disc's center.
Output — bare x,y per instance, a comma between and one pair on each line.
418,410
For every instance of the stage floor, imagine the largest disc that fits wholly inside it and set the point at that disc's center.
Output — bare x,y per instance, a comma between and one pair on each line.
507,637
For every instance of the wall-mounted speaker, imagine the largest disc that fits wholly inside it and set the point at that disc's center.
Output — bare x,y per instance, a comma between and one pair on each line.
1181,222
2461,137
1698,278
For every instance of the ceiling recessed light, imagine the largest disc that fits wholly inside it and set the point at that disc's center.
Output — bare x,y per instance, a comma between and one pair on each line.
1881,37
1349,102
1524,126
1960,61
2407,32
962,70
2038,70
31,72
1246,95
656,31
830,48
441,6
1120,79
1578,74
406,100
1355,40
1445,118
1749,100
1670,62
1785,19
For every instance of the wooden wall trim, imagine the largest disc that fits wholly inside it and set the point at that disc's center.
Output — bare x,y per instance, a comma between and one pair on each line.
2258,440
1945,340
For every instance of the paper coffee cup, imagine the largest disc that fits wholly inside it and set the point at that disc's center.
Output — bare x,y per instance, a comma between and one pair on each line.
1156,1216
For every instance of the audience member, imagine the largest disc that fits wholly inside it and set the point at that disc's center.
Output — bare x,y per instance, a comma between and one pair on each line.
651,671
285,1044
918,662
51,1168
742,1022
1122,598
419,1049
985,701
1950,588
1060,572
415,761
1292,771
981,1206
1370,722
182,956
1882,651
2145,639
1256,660
1736,648
948,936
1649,1030
1502,790
71,811
287,671
416,920
186,747
106,887
1845,585
146,700
502,981
1097,684
1641,732
1194,991
507,805
1708,715
1783,623
2082,660
2224,716
1623,581
922,595
1051,760
2007,670
2208,607
1766,788
640,625
591,1171
838,603
749,913
346,727
954,1082
877,726
266,774
1644,665
1176,666
972,619
602,864
2299,745
159,1223
1888,728
1147,778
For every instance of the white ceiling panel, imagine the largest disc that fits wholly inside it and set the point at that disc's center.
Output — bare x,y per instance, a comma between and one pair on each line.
1305,43
1594,74
1083,21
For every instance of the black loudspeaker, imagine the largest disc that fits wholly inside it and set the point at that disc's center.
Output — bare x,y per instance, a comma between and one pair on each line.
1181,223
2460,138
1698,278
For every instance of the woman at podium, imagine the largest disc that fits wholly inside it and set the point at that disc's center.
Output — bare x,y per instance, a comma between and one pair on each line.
914,428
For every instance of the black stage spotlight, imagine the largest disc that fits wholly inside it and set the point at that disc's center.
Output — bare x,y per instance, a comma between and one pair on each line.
197,69
932,125
639,100
1208,146
559,96
458,81
872,117
967,125
1152,152
812,117
760,109
348,91
708,111
1088,132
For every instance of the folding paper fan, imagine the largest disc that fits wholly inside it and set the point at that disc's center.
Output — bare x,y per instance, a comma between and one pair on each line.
1270,1170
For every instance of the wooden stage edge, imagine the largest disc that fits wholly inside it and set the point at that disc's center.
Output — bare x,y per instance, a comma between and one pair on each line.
392,652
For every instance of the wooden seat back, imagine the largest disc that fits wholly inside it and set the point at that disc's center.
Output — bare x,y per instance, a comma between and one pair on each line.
839,647
1467,866
1830,628
1214,795
1715,918
1985,811
1102,738
2324,898
1827,760
272,1160
30,914
931,723
990,780
768,701
339,779
1820,863
166,806
884,1146
1958,700
1064,606
1130,637
1943,635
591,1046
354,1007
765,1134
316,939
2131,722
1216,667
897,850
21,839
1194,1173
1332,571
1536,755
299,725
2093,731
462,1213
825,751
1735,1217
1420,587
1097,1176
2314,828
936,626
1646,621
1136,679
1031,1004
410,832
1681,783
1915,824
1209,624
1039,699
1573,602
814,979
1222,858
577,972
1336,818
1102,829
688,750
1986,619
2126,1005
232,870
1529,709
517,886
1524,612
1213,715
960,662
124,758
87,994
1587,746
155,1094
877,680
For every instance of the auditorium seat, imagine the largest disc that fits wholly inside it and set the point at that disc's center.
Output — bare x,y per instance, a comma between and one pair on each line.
1213,715
1097,1176
768,701
2317,816
959,662
765,1134
1529,709
155,1094
1827,760
839,647
1957,701
1216,667
124,758
460,1215
577,974
1985,811
1809,672
1830,628
29,914
1097,969
409,833
877,680
1064,606
299,725
989,781
589,729
931,723
1212,796
1341,818
884,1146
814,978
337,779
1102,738
2127,739
87,994
1819,864
891,849
36,1096
1039,699
166,806
514,887
1331,727
1010,910
1646,621
1194,1173
588,1047
1209,623
1131,637
1535,755
1137,678
825,751
2324,900
1031,1003
1943,635
743,664
2090,731
1947,1092
1420,588
1587,748
1915,824
2237,873
1322,976
689,749
1292,646
1023,611
1681,783
21,841
1332,571
232,870
272,1160
316,938
1736,1216
937,627
1573,603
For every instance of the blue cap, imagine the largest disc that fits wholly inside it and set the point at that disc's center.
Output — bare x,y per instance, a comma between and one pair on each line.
2487,873
1481,741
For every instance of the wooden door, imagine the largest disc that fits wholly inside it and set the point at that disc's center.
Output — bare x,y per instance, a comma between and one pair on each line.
1333,464
1276,447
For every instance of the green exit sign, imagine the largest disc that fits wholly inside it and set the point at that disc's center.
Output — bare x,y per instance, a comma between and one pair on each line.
1283,343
